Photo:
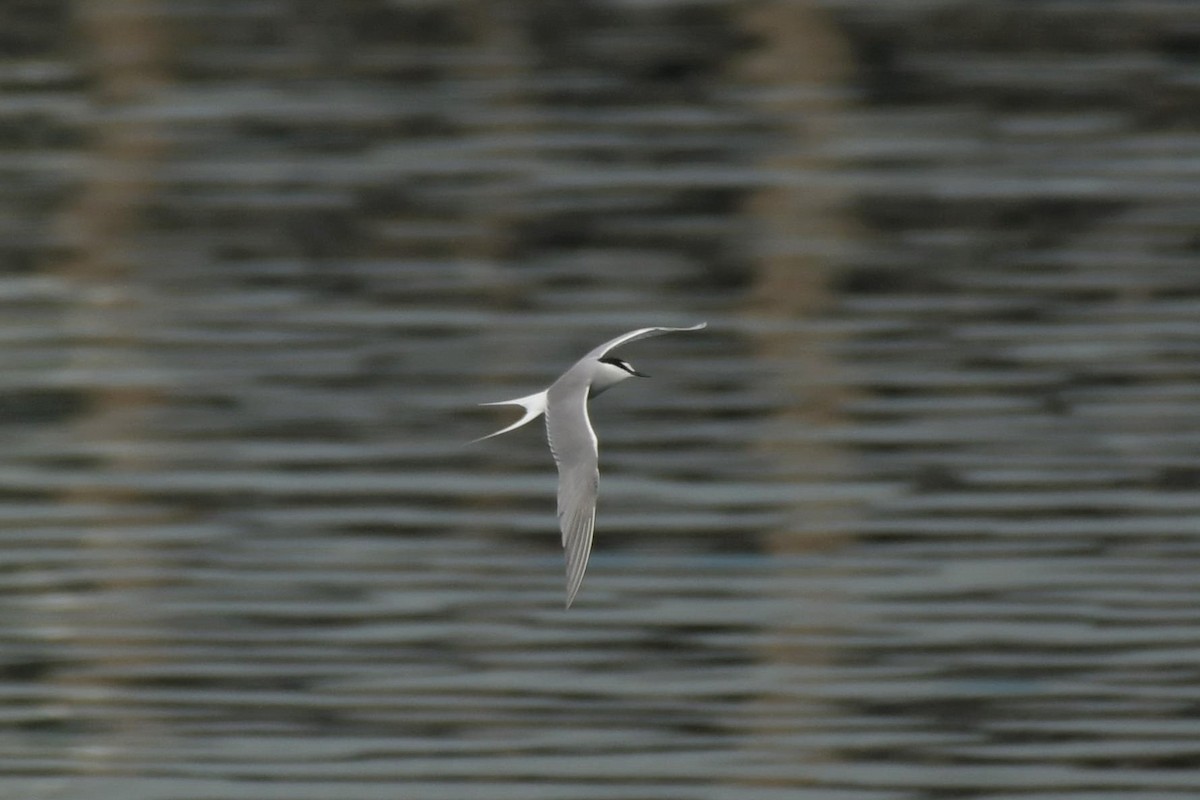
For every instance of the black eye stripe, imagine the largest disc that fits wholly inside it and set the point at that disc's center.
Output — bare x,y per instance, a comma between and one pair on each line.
620,363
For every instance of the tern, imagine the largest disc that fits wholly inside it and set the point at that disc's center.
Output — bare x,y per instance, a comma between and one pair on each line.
573,442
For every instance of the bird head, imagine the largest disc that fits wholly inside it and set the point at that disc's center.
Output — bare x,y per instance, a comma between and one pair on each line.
611,371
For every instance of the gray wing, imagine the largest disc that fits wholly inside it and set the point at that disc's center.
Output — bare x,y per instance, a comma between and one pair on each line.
633,336
573,444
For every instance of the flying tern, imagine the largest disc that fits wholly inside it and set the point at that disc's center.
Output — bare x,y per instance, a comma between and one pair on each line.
573,442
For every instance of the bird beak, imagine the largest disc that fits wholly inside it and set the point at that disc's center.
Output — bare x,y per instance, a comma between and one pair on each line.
640,374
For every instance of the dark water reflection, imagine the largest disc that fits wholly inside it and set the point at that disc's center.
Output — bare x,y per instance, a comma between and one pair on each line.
915,516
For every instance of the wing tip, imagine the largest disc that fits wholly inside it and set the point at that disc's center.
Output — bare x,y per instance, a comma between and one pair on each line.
578,547
572,592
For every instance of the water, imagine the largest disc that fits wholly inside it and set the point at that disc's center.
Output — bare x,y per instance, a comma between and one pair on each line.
915,517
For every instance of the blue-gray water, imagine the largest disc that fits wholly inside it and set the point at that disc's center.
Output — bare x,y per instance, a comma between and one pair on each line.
915,517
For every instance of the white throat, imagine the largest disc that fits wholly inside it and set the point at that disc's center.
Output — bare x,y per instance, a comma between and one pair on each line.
606,376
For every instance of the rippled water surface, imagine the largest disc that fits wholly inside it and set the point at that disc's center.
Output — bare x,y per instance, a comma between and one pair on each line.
914,517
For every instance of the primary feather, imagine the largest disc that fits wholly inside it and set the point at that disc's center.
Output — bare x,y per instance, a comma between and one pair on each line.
573,445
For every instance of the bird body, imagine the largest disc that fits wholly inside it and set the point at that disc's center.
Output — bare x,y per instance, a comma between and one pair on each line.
573,442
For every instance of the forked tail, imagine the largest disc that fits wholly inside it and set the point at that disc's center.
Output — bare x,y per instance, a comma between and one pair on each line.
534,405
